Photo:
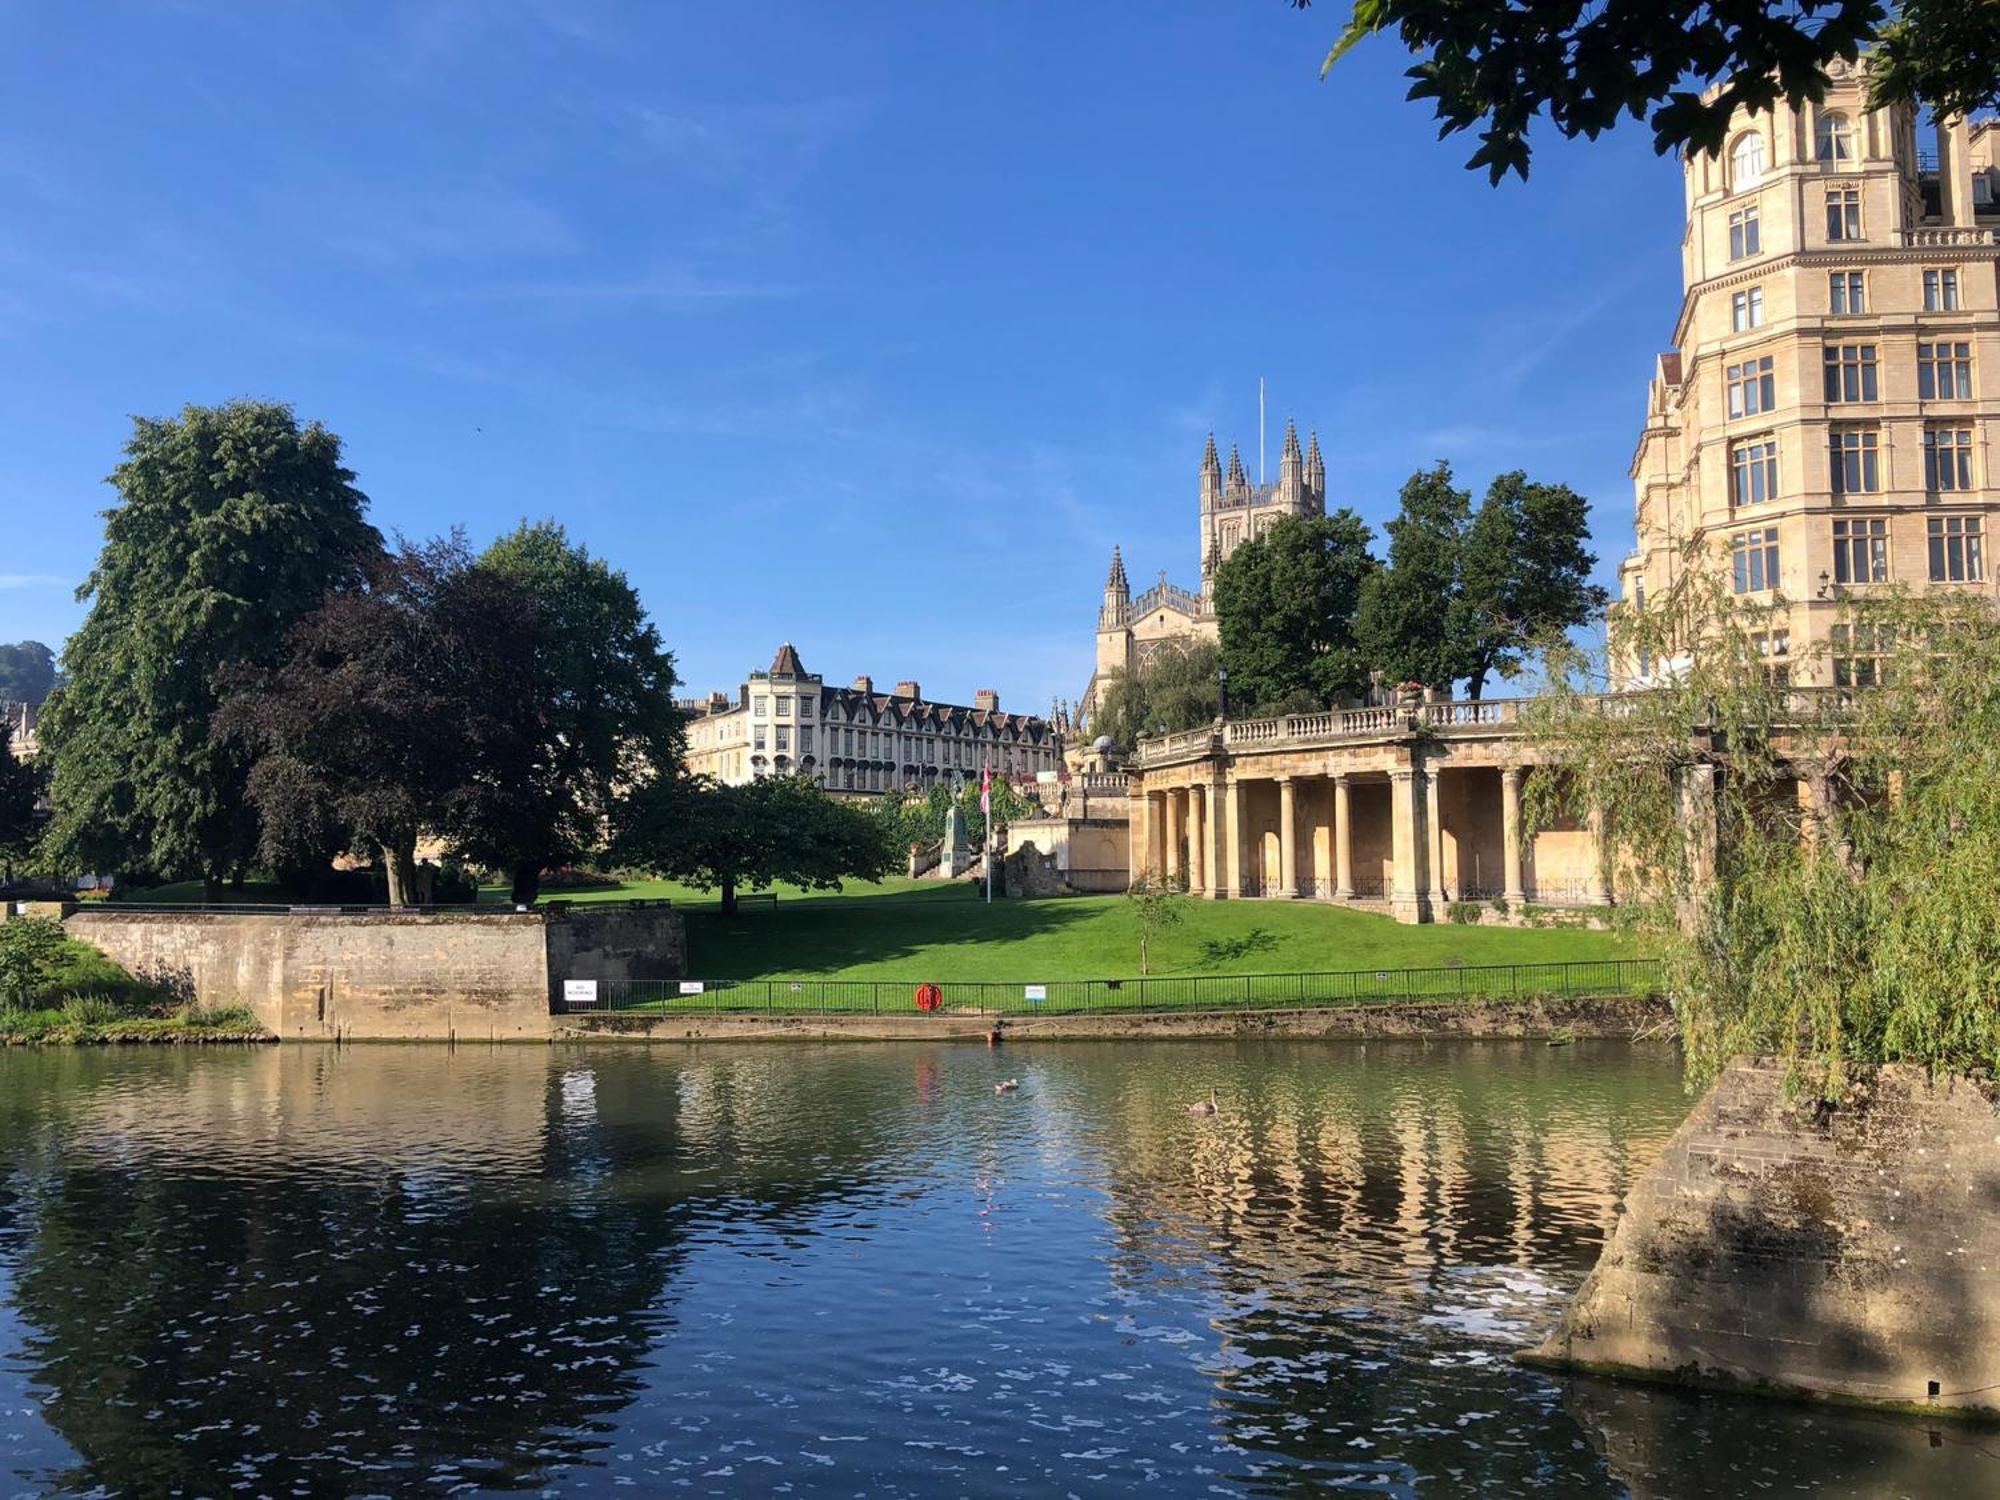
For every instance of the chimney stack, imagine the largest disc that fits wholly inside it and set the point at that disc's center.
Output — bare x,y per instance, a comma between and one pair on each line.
986,700
908,690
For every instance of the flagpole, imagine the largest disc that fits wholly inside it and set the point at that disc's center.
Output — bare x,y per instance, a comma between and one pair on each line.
986,810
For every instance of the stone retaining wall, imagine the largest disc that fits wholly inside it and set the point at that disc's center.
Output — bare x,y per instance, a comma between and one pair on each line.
390,975
1852,1255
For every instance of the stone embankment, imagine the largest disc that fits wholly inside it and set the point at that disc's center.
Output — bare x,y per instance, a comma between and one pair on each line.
1850,1254
1553,1019
402,976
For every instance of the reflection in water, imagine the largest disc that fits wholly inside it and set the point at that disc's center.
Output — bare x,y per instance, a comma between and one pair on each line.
845,1269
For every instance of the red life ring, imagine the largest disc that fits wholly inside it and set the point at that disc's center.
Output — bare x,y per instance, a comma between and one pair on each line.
929,997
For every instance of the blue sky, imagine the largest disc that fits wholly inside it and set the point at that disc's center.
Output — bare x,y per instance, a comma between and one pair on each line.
868,326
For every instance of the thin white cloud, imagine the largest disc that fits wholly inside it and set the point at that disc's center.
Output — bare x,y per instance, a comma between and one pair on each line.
1553,334
474,222
767,144
664,286
32,581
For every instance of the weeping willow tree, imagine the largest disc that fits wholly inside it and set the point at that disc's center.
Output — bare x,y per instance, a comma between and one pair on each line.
1811,838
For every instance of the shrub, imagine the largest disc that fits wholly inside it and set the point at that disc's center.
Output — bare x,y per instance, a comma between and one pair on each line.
1464,912
29,951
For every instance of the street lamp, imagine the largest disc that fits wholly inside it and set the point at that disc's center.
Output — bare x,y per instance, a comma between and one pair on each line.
1222,692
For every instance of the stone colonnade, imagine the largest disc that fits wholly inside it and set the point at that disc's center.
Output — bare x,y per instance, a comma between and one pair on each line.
1413,835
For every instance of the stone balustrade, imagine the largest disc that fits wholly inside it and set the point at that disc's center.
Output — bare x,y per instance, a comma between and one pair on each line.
1307,731
1948,237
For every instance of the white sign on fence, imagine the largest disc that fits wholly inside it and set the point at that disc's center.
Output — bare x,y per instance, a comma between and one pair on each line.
1038,992
579,992
692,986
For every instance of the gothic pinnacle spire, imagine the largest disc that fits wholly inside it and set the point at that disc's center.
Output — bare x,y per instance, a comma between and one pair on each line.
1210,464
1236,475
1116,584
1291,449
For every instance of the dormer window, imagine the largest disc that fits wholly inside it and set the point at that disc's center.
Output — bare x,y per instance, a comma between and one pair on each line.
1746,161
1835,138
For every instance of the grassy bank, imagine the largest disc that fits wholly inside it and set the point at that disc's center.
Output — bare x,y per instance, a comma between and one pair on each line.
54,988
85,1025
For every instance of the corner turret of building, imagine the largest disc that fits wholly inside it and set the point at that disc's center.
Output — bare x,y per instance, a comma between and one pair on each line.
1211,476
1291,470
1117,610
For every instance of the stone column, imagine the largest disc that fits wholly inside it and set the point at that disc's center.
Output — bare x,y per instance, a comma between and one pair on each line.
1598,892
1510,836
1701,833
1170,867
1137,834
1433,845
1197,863
1215,833
1233,839
1343,840
1288,839
1406,895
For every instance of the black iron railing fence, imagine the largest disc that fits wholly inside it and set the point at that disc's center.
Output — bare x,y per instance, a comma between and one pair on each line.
361,909
1358,987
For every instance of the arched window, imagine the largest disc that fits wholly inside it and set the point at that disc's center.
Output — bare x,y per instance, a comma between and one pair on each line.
1746,161
1836,138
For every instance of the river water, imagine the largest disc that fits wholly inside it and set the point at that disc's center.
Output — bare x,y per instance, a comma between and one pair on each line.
851,1270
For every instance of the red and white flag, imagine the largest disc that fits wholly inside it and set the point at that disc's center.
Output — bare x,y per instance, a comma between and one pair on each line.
986,789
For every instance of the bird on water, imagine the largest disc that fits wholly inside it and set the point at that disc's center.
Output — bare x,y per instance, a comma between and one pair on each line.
1208,1106
1008,1086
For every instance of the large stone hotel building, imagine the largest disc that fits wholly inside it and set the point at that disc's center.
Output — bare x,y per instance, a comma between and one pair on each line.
1823,424
856,741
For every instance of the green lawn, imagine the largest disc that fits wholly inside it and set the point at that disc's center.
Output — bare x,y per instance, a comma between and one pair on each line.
944,932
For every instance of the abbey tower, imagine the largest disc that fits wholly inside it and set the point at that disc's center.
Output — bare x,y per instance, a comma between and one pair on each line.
1131,628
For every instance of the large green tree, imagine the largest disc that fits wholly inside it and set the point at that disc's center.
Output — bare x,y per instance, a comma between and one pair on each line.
1465,593
393,703
1407,623
1285,603
1499,67
1524,574
20,821
231,523
777,829
27,672
1176,688
604,724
